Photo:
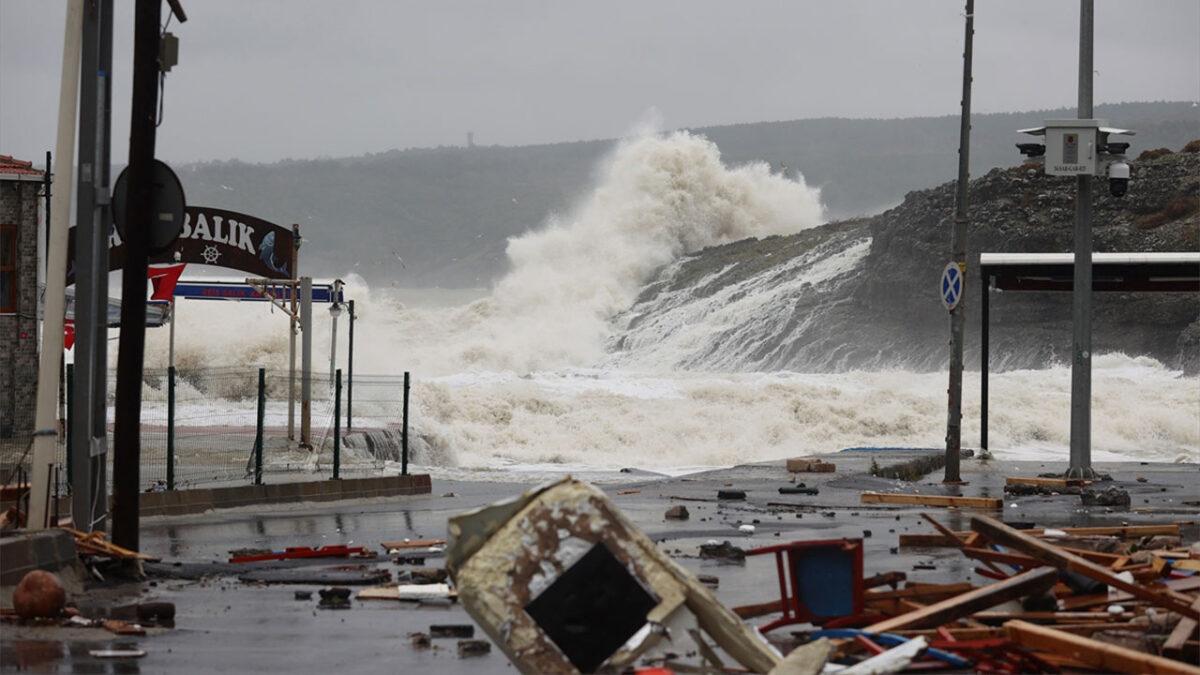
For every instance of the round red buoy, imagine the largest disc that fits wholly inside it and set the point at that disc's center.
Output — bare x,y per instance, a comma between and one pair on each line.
39,595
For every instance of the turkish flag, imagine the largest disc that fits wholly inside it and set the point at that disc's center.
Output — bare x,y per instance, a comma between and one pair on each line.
68,334
164,278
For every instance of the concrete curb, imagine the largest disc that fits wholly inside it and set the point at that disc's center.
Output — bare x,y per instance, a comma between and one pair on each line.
52,550
182,502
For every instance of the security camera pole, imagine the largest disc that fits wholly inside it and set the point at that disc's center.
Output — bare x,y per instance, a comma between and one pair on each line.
1081,297
958,245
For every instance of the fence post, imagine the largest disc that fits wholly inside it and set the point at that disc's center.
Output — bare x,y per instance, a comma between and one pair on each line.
170,427
70,423
258,428
350,374
404,432
337,425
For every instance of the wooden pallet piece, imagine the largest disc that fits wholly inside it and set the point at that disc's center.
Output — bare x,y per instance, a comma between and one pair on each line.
1099,655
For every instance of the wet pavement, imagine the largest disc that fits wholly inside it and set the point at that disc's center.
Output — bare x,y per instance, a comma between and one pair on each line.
226,626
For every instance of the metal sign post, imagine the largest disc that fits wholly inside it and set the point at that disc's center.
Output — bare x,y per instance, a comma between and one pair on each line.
306,362
293,326
954,276
88,421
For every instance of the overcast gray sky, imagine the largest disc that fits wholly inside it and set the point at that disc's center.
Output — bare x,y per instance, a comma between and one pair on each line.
271,79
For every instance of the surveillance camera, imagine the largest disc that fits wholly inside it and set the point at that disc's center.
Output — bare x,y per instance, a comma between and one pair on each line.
1118,178
1032,149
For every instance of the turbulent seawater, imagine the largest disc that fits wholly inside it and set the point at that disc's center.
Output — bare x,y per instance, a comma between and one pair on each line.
549,370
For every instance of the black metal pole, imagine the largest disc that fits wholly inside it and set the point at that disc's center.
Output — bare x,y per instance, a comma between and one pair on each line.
46,182
258,426
337,425
170,427
140,215
404,431
984,365
71,420
350,373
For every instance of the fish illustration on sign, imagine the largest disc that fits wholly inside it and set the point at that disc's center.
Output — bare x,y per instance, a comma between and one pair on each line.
266,253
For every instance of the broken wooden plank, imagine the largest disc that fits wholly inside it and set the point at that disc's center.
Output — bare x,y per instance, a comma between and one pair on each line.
1178,639
1034,581
1096,654
928,541
931,500
1051,617
924,591
1003,534
1122,531
411,543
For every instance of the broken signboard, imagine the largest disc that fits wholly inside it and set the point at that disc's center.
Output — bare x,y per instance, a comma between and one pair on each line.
562,581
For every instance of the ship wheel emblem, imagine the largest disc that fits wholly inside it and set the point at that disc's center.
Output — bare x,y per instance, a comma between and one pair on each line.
211,255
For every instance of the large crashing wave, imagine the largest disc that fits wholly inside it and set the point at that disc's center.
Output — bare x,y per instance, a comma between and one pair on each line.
656,198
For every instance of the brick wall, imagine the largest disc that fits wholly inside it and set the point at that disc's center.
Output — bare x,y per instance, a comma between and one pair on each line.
19,205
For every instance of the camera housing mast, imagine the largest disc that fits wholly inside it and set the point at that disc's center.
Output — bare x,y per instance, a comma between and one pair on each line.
1081,147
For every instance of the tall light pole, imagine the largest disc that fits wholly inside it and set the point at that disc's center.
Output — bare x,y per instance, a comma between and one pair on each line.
1081,297
50,359
958,245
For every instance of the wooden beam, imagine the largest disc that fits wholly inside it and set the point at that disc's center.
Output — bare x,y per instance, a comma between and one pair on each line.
1053,555
1184,630
1034,581
925,591
928,540
932,500
1052,617
1099,655
988,555
1122,531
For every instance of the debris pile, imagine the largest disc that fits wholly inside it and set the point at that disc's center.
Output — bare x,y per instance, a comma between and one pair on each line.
561,581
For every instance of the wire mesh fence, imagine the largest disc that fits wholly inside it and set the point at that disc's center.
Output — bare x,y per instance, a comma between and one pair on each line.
231,426
18,414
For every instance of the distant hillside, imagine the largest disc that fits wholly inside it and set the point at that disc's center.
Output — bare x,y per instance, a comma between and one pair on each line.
447,212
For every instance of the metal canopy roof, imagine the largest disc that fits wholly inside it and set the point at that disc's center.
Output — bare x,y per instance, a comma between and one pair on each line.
1123,272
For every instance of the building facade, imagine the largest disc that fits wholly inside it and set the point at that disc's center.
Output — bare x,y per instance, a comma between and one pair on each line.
21,193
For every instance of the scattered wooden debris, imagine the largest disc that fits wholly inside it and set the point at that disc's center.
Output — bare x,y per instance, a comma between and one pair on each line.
97,544
932,500
965,604
1002,534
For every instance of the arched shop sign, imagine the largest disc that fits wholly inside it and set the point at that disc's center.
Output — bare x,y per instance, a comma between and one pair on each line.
217,237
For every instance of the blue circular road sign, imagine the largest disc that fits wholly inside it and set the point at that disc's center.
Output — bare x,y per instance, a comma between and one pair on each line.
951,286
